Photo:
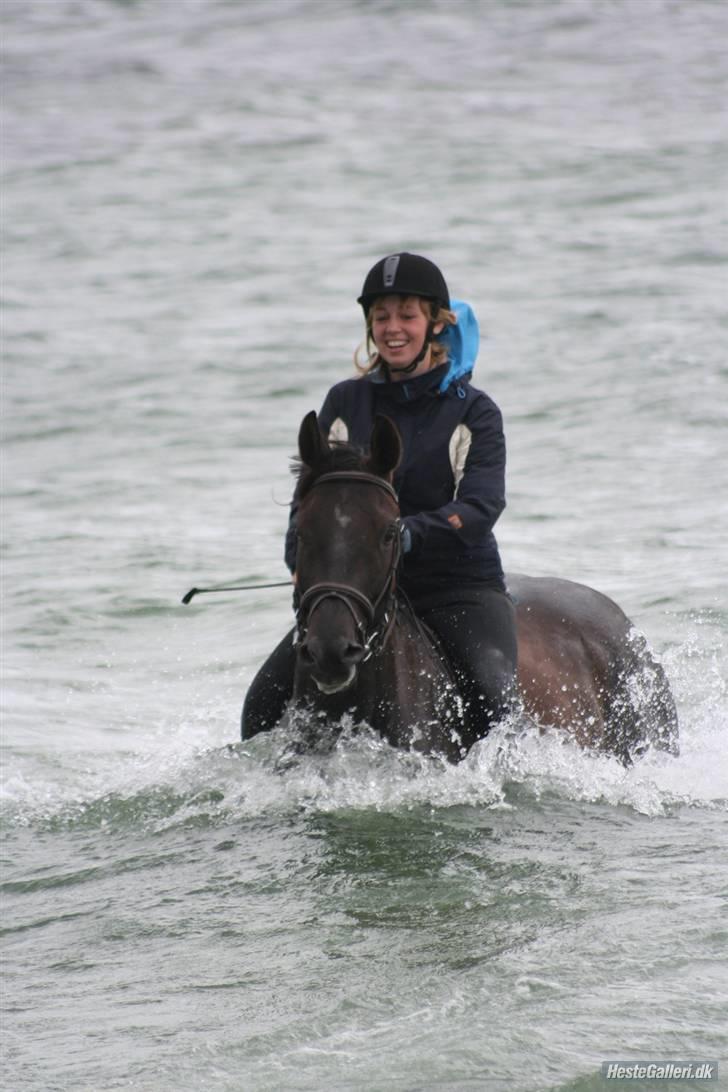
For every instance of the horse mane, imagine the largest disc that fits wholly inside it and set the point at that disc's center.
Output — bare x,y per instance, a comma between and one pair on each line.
339,456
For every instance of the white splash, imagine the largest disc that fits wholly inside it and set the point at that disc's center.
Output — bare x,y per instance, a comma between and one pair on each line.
190,769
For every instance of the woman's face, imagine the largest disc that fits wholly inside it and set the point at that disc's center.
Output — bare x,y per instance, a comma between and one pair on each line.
399,327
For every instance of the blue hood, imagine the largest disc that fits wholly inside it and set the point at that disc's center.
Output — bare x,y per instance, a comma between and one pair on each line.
462,342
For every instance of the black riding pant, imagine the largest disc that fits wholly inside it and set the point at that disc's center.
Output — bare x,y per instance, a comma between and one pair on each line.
476,627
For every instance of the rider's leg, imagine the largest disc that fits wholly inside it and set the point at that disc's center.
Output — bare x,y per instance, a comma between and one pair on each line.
270,690
480,639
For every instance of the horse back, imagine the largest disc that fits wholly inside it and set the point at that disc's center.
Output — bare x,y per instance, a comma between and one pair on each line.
555,606
583,666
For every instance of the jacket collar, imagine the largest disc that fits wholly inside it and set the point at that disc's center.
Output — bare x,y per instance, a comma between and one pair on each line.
410,390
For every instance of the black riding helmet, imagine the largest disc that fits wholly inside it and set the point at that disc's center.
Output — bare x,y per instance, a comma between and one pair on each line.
404,275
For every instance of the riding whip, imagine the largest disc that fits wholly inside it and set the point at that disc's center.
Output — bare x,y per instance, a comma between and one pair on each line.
233,587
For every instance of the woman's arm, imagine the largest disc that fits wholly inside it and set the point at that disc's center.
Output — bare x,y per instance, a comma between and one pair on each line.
479,495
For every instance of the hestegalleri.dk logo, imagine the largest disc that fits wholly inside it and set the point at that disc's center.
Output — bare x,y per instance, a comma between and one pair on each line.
660,1071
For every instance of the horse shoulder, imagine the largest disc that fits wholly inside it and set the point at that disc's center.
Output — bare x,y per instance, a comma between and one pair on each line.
416,702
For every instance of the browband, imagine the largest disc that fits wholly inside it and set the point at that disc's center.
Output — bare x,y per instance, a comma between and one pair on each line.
357,476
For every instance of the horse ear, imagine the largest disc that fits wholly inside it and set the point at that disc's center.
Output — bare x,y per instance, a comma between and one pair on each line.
386,447
312,444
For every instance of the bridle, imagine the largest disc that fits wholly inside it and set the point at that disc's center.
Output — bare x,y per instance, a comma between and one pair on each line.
379,613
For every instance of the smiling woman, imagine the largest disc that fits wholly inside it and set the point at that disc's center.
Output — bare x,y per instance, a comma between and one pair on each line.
402,329
450,481
402,326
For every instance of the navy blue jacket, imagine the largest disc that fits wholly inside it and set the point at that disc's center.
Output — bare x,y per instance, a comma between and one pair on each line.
451,481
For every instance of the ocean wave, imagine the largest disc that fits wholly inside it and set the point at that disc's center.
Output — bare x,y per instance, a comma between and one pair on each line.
266,777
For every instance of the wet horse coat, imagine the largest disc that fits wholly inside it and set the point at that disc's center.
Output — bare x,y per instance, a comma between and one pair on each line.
360,650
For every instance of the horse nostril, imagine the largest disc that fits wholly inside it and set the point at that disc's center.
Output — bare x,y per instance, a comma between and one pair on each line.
305,653
353,652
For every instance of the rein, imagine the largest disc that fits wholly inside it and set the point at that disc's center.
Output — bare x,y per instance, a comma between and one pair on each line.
375,631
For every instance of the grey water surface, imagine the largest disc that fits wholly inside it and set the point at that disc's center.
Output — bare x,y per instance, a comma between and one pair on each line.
192,193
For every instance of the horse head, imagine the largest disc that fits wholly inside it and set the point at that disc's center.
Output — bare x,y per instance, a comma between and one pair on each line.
347,554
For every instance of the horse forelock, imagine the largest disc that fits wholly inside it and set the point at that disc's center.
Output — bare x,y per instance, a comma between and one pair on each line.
340,456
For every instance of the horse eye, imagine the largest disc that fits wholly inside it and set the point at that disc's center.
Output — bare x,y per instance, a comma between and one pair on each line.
390,533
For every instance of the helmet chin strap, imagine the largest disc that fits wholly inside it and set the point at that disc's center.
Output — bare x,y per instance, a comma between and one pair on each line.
417,360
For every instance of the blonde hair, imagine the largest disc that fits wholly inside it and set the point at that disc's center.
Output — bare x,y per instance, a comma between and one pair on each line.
366,357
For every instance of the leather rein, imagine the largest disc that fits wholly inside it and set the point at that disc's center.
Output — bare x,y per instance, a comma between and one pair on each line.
379,613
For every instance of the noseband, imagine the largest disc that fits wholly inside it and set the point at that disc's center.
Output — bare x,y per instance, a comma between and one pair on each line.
379,613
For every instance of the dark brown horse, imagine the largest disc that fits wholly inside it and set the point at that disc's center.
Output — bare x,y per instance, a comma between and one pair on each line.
360,650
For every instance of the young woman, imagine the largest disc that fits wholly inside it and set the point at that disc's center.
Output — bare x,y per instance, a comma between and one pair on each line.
450,482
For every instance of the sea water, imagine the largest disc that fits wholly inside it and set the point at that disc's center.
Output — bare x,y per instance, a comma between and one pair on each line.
192,194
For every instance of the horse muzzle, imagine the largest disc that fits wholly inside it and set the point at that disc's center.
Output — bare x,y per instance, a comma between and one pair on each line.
331,664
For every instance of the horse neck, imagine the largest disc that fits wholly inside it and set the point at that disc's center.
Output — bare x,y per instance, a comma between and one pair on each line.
411,648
